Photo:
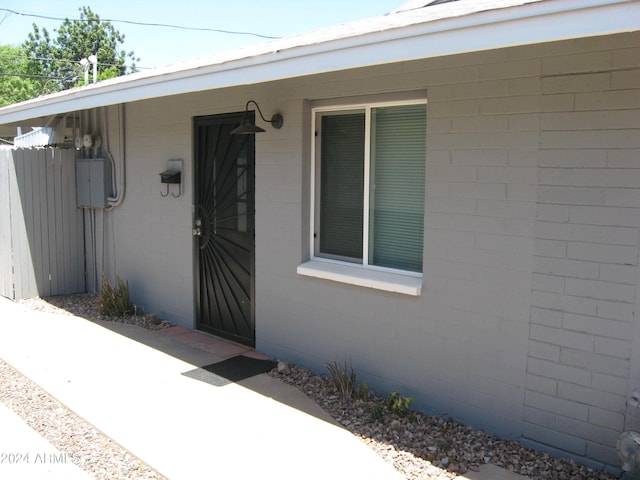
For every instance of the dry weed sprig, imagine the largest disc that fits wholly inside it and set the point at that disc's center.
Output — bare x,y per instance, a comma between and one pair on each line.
114,301
343,378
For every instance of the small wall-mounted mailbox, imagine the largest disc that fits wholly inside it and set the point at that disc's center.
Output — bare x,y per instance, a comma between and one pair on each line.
172,176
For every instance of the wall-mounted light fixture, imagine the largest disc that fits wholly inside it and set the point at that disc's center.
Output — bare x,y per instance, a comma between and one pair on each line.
248,127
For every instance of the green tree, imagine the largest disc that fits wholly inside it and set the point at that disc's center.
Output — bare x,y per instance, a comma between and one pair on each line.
58,58
16,84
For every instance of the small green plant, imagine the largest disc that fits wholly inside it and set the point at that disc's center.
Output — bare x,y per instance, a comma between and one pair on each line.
343,378
362,391
442,445
397,403
376,412
114,301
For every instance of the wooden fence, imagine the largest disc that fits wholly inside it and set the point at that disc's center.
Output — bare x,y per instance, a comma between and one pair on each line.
41,229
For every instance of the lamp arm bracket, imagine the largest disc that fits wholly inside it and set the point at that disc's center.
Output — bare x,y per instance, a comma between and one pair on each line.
246,109
276,119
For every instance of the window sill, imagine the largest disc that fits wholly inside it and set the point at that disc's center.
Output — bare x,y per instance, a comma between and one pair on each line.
362,277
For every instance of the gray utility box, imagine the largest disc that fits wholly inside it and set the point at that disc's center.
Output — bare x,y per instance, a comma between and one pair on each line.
93,182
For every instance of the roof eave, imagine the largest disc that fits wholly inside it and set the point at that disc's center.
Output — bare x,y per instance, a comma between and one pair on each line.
529,23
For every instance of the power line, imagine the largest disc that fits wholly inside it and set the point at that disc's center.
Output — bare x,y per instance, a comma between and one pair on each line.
49,59
42,59
30,76
130,22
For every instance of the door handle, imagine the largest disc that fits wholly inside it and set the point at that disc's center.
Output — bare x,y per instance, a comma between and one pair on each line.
197,231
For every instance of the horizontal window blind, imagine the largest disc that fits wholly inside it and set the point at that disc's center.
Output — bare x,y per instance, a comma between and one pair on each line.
398,150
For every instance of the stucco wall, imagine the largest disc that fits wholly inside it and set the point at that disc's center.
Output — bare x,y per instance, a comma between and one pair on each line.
527,313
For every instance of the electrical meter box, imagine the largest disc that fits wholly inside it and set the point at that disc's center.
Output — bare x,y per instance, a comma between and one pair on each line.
93,182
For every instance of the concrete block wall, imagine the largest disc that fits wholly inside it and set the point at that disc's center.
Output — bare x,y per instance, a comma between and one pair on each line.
526,319
526,322
479,223
459,348
585,281
147,240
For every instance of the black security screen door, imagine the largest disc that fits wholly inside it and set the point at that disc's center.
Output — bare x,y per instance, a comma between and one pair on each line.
223,228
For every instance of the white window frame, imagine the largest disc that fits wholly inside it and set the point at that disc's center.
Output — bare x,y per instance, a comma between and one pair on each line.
365,275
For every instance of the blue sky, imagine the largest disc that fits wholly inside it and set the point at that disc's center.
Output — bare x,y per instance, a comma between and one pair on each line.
157,46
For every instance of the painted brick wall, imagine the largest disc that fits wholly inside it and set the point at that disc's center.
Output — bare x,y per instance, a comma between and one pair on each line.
584,295
527,315
147,240
525,322
460,348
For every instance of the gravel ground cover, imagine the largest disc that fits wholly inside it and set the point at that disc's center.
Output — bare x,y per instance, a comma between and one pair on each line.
92,451
425,447
420,447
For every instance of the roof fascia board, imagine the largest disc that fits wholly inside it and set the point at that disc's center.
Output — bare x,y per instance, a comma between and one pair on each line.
540,21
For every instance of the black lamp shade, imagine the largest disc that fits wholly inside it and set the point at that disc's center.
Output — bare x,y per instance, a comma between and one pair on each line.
248,126
247,129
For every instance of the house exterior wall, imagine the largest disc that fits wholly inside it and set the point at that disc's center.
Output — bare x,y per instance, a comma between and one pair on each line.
526,323
585,282
147,239
526,320
461,347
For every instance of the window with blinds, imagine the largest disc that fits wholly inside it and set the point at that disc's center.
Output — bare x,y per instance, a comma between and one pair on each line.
370,176
342,186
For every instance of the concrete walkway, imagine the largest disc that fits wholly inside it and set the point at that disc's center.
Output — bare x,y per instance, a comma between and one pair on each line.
128,382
